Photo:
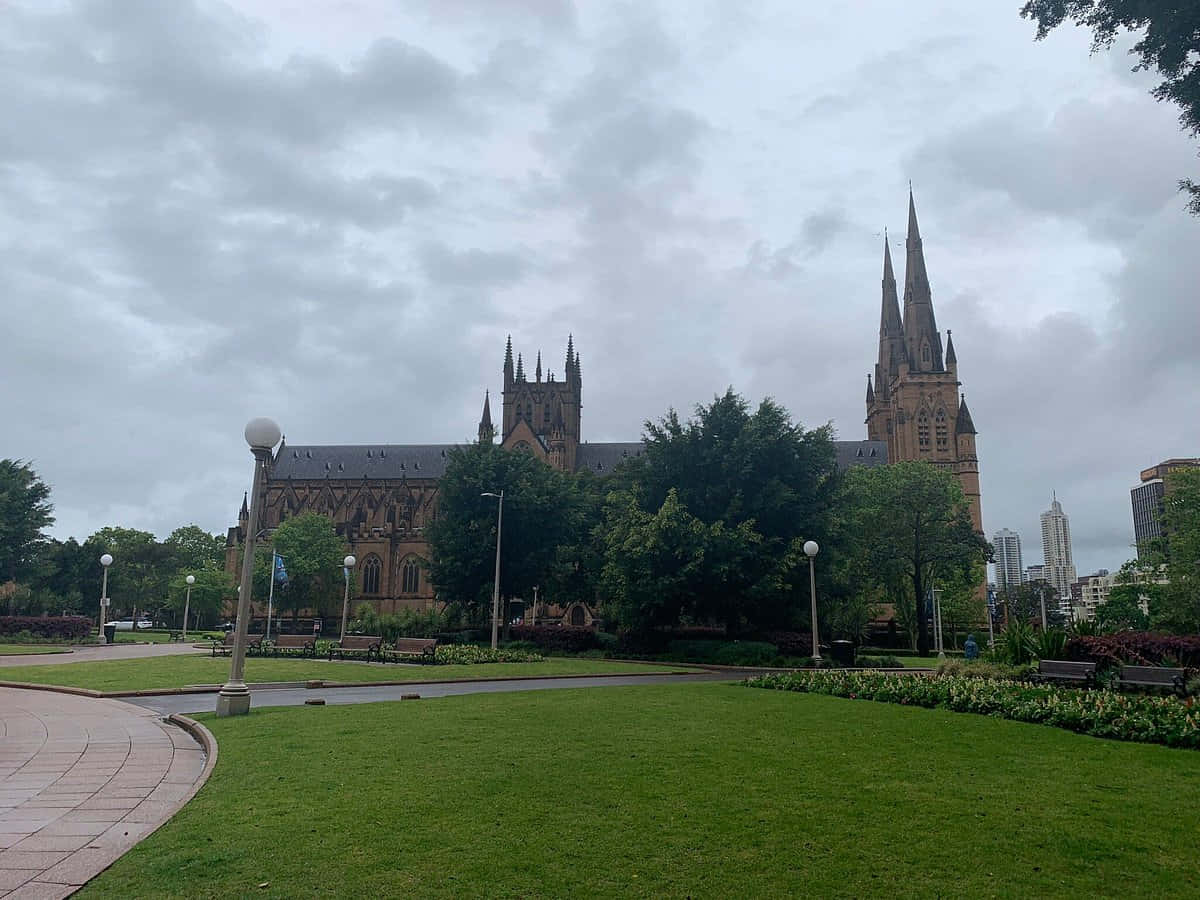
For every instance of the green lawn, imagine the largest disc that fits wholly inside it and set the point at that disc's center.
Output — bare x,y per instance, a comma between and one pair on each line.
20,649
701,790
178,671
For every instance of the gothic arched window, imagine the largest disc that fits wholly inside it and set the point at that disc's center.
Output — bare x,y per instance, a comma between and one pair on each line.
370,576
941,430
410,576
923,429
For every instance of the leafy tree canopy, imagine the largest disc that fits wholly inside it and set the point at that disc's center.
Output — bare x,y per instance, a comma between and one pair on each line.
544,510
1177,607
313,552
213,588
194,548
1169,44
909,522
25,513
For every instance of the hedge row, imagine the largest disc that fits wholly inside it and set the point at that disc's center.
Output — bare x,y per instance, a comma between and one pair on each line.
66,628
556,638
1126,717
1136,648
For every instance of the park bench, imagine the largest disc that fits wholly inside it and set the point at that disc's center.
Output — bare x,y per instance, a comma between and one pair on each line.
303,644
1153,676
423,649
356,645
1064,670
225,647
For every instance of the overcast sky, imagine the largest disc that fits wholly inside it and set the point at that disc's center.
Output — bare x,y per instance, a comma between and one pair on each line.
334,213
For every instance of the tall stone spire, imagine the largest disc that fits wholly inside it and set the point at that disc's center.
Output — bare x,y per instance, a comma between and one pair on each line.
964,425
538,371
520,368
487,431
951,356
570,367
891,329
922,340
870,393
508,362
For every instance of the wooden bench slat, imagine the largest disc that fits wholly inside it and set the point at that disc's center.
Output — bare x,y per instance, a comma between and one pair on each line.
425,648
1153,676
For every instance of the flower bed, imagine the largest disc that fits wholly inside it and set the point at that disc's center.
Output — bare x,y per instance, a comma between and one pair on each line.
1152,720
468,654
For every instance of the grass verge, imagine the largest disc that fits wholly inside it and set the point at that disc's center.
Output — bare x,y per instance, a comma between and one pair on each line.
179,671
703,790
24,649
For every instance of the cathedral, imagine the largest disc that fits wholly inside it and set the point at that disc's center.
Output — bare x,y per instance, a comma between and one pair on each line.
914,404
381,496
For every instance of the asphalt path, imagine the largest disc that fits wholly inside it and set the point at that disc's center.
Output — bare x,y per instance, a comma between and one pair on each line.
85,653
259,697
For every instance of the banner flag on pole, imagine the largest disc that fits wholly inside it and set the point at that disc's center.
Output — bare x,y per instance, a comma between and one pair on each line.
281,575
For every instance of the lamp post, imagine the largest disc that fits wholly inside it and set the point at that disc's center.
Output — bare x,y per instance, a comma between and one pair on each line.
347,565
187,603
810,550
105,562
234,698
496,585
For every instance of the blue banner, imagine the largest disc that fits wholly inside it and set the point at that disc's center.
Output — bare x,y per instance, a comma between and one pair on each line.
281,576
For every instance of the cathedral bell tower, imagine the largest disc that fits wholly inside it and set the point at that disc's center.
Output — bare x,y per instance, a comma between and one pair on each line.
542,416
913,398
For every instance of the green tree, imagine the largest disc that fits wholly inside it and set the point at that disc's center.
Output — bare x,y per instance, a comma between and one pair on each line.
141,569
759,484
192,547
1176,607
544,510
911,521
313,552
1024,603
1169,44
1122,610
25,513
213,590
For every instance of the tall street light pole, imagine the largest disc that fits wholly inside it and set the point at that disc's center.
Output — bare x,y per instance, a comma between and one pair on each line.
187,603
496,584
234,698
347,565
105,562
810,550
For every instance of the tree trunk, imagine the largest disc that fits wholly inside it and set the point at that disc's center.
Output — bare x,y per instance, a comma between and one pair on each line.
922,623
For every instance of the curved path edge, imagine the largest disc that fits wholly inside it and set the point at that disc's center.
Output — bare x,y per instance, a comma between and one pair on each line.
83,780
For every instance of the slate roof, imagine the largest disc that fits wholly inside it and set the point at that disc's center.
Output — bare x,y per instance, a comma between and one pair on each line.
602,458
374,461
413,461
860,453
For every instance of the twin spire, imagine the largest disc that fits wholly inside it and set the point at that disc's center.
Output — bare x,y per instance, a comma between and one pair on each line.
913,339
517,373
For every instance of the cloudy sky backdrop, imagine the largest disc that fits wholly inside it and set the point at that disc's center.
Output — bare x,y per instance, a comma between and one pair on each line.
333,214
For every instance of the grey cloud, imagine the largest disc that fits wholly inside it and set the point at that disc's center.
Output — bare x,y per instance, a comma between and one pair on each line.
473,267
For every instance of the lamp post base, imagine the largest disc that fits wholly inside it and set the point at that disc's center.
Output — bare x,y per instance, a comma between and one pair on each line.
233,700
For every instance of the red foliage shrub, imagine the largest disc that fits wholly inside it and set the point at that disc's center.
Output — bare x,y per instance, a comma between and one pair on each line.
554,637
66,628
1136,648
790,643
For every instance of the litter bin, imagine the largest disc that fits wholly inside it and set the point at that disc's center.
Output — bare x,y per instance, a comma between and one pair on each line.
110,632
842,652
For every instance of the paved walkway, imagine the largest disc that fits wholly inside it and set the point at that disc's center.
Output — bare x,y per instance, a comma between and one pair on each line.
98,652
261,697
81,781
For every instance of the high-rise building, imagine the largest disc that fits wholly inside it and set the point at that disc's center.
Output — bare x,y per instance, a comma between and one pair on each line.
1009,570
1147,502
1056,550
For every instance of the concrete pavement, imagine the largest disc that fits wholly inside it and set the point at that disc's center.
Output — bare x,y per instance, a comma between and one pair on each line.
81,781
98,652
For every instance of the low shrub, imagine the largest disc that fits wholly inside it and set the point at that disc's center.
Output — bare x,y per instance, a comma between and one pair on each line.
557,639
878,662
469,654
1136,717
63,628
1135,648
723,653
633,644
981,669
790,643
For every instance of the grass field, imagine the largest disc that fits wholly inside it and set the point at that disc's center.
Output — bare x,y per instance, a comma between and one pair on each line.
21,649
178,671
701,790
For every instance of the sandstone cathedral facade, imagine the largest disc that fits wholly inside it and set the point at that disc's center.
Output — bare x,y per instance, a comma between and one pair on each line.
913,403
380,497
